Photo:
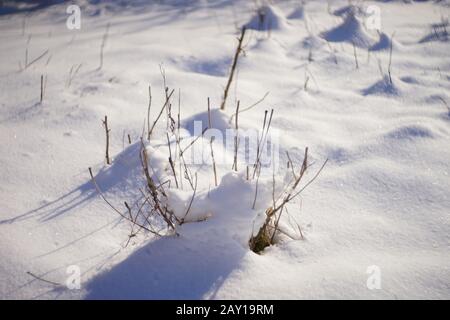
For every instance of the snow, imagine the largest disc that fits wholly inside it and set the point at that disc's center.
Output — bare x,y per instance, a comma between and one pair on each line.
382,199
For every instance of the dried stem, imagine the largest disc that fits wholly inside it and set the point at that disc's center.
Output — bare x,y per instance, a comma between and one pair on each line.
236,138
291,165
190,202
159,115
355,55
42,279
102,46
209,115
213,161
390,59
72,73
251,106
107,130
43,86
148,111
114,208
233,68
171,162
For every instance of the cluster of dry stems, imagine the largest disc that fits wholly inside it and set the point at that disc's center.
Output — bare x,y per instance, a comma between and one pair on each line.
153,209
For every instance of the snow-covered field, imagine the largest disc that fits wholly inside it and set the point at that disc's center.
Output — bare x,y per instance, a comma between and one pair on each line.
379,210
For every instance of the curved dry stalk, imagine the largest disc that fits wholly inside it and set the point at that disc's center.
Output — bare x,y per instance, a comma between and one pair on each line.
190,202
114,208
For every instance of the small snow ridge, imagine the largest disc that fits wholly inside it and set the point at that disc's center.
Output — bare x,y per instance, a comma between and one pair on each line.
200,121
438,33
298,13
384,43
313,42
216,68
410,132
267,18
350,9
410,80
339,155
383,87
351,30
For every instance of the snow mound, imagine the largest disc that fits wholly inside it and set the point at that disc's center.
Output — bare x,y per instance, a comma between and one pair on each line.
229,205
211,67
313,42
349,10
200,121
298,13
267,18
198,261
384,43
383,87
438,33
351,30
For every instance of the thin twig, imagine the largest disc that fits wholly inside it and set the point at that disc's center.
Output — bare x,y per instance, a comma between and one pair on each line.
42,279
190,202
114,208
172,164
213,161
356,57
160,113
102,47
193,141
233,68
148,111
251,106
390,58
105,124
236,138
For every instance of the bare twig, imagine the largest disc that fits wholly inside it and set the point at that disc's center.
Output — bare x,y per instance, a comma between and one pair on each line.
114,208
213,161
43,86
236,138
263,141
356,56
102,46
163,212
192,142
291,165
190,202
209,115
250,107
160,113
107,130
390,58
171,162
233,68
42,279
148,111
72,73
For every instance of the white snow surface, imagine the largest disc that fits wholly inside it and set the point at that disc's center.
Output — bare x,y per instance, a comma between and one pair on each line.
382,199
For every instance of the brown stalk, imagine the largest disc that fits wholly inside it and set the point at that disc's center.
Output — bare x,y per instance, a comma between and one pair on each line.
107,130
233,68
172,164
160,113
236,138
